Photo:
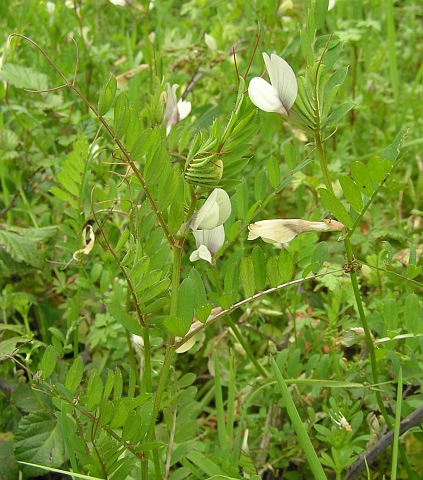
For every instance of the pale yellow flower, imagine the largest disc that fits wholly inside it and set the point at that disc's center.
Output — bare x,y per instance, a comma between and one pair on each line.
280,231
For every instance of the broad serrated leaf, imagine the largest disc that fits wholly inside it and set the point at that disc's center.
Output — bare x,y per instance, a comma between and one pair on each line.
335,206
23,245
24,77
39,440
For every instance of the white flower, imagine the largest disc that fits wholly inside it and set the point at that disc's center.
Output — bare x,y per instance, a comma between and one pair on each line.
284,230
279,95
208,242
214,212
51,7
175,111
207,225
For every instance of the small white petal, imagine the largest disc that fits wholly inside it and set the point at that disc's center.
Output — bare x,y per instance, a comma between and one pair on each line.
202,253
171,113
282,78
184,109
214,212
212,239
264,96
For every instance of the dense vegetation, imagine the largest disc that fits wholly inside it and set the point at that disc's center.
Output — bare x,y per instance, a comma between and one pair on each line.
147,330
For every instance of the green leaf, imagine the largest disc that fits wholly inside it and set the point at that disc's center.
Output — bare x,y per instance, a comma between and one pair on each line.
110,381
352,193
319,256
273,171
8,467
335,206
39,440
74,376
107,95
198,291
126,320
338,113
186,303
176,214
24,77
362,178
378,169
94,390
260,185
391,151
122,115
176,325
131,431
320,11
272,271
118,385
242,200
247,276
169,188
413,313
23,244
48,362
290,155
285,266
259,262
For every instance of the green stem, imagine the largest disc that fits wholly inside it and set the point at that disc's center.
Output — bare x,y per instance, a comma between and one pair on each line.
303,437
164,372
356,290
322,161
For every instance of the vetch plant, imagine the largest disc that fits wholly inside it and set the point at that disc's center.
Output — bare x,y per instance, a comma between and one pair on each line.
279,95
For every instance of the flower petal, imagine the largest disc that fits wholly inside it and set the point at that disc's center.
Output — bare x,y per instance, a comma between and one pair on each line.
282,78
284,230
171,113
272,231
184,108
264,96
212,239
202,253
214,212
